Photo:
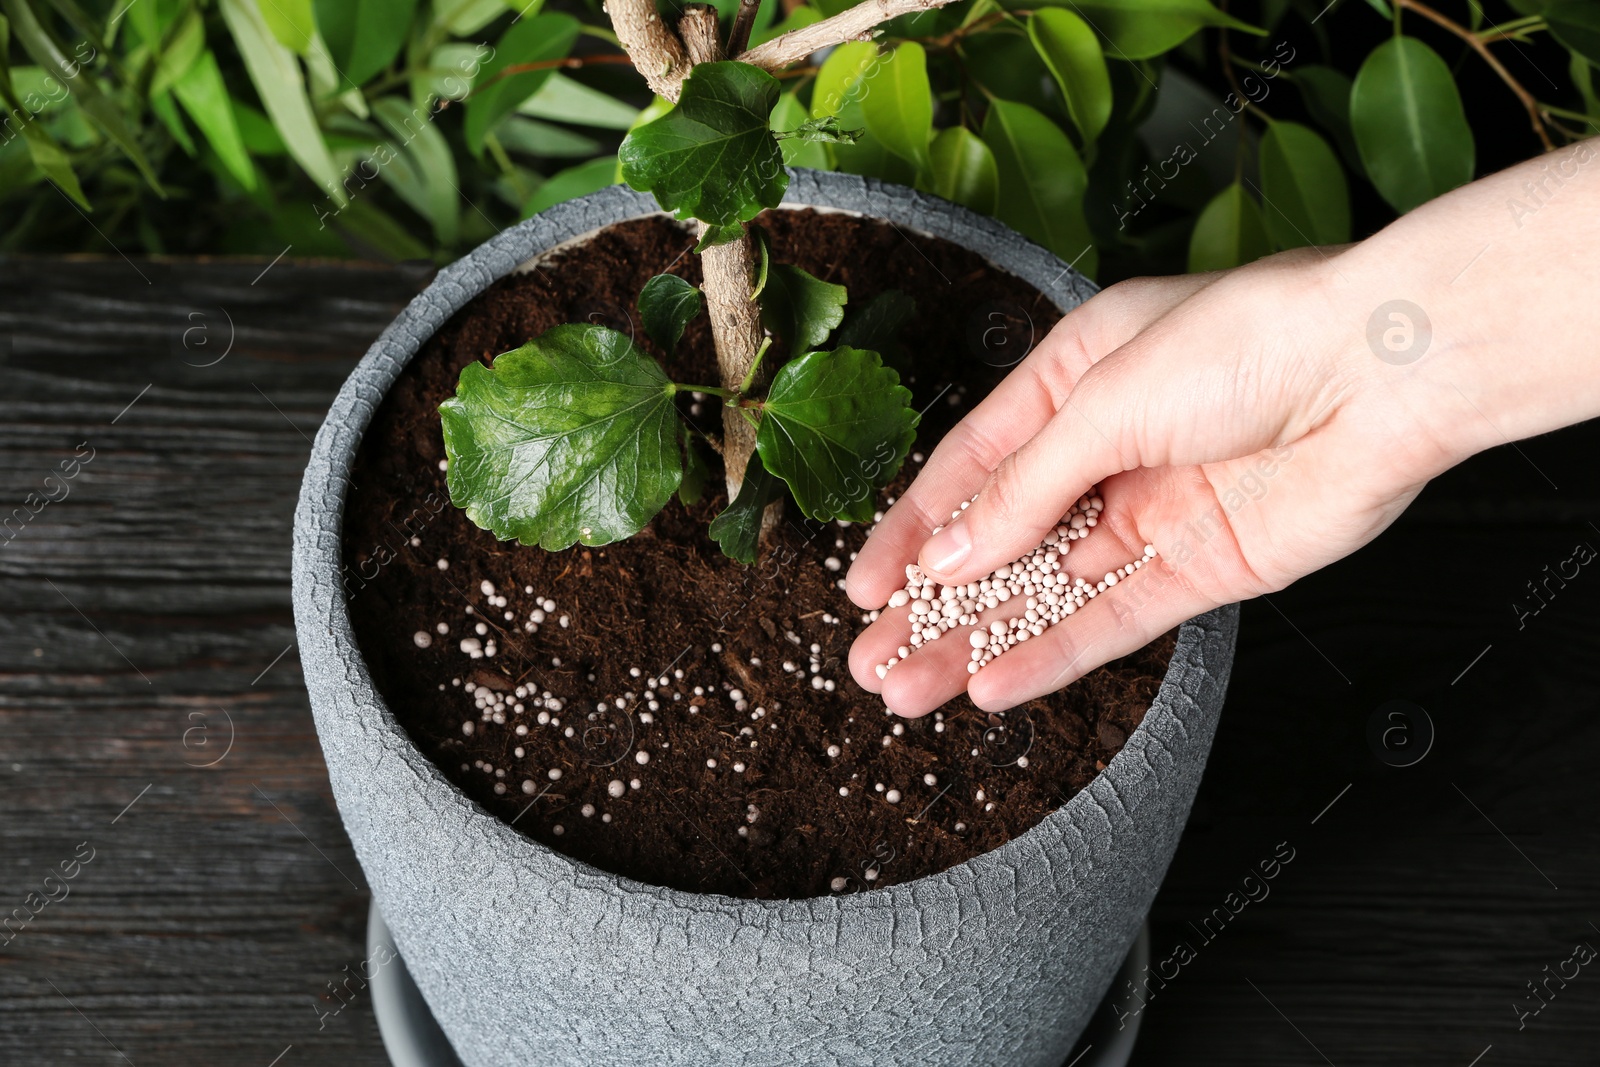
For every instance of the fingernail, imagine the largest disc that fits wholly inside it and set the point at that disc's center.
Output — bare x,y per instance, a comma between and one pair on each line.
946,549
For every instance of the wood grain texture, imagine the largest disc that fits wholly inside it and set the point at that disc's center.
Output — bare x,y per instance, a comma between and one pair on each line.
147,608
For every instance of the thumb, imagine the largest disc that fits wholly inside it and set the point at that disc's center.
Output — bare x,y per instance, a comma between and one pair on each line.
1088,439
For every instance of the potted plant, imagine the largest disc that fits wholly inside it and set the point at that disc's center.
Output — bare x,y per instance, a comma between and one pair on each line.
988,943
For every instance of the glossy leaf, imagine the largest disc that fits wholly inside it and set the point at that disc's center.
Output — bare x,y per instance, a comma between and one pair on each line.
542,139
696,473
187,43
564,100
1303,192
836,426
53,56
43,150
738,528
1229,232
276,75
838,83
291,22
571,438
1409,125
1326,93
573,182
1072,53
1141,29
667,304
898,105
1042,181
877,323
801,308
1576,24
531,40
964,169
423,171
798,19
712,157
204,96
363,36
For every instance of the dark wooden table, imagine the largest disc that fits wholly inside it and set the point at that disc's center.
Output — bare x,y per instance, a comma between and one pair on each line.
152,717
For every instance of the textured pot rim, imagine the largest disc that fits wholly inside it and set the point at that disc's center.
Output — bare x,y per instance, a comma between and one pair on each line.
322,614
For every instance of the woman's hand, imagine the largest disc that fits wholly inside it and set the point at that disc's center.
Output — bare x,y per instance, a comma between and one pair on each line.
1215,434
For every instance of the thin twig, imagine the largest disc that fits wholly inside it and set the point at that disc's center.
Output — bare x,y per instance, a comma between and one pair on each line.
1529,104
855,24
744,20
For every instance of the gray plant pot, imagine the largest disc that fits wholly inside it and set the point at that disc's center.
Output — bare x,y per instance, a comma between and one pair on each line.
527,957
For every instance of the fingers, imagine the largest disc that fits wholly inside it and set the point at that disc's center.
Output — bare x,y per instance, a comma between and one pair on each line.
1092,436
1015,411
922,678
1120,621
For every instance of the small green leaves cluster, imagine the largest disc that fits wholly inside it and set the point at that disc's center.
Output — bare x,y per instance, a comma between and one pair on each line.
576,436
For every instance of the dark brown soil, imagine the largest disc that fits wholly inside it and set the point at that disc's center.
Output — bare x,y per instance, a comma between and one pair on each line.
769,820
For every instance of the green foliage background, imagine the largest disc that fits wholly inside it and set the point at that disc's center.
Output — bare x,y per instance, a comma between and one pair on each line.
414,129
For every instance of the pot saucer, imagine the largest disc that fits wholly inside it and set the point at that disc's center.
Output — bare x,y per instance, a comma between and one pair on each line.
413,1039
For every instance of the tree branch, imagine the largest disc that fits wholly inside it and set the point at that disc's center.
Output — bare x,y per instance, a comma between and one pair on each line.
744,21
1528,102
856,24
656,51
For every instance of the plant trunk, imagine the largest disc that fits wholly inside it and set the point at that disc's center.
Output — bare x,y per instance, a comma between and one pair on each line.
729,271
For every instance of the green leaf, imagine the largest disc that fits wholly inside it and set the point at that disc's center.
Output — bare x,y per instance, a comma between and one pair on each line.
165,109
571,438
719,235
464,17
695,471
291,22
1072,53
581,180
712,157
374,230
48,156
1006,65
539,39
836,426
363,36
1576,24
1229,232
818,131
1042,181
203,95
1409,125
180,55
423,170
535,138
964,169
898,105
1303,191
877,324
667,304
276,75
839,78
800,308
49,53
1142,29
798,19
1326,93
763,244
869,157
738,529
1382,7
564,100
